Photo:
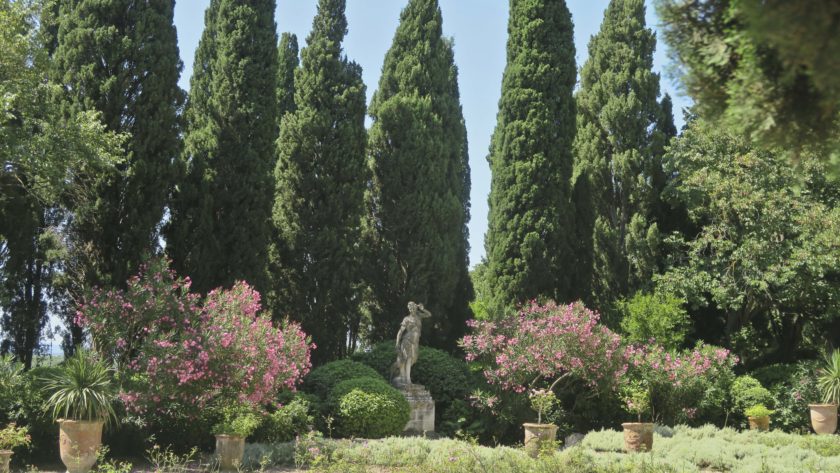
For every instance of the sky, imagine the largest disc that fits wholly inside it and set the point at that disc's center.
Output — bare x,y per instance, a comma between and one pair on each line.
479,30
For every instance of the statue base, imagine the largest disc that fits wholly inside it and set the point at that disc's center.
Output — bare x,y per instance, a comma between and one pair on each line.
422,418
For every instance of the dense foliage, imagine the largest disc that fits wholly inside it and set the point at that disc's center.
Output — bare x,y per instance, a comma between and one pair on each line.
323,379
368,408
420,168
220,231
763,69
761,273
530,233
319,185
622,130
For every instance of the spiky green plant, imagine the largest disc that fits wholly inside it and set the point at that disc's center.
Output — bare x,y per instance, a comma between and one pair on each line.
829,378
81,390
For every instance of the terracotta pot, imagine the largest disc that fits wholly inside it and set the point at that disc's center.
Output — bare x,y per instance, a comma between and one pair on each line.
759,423
5,458
230,449
79,442
537,436
638,436
824,418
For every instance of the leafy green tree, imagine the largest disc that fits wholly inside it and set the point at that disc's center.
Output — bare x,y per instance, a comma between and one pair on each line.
657,316
529,242
419,197
120,58
320,177
46,158
622,130
763,269
220,227
765,68
287,61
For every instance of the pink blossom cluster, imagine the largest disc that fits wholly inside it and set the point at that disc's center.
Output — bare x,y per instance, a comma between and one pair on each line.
655,364
182,353
546,342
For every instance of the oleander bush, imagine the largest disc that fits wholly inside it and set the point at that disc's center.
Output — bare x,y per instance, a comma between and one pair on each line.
793,387
368,408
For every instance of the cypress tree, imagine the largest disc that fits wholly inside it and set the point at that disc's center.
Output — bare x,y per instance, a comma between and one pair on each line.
288,62
320,177
419,198
531,229
120,58
220,228
622,129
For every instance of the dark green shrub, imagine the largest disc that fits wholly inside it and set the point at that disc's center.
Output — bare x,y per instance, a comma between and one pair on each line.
448,379
368,408
793,387
24,404
747,392
321,380
288,421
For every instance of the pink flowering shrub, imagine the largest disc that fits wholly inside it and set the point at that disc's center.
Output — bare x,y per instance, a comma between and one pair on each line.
546,344
683,385
182,354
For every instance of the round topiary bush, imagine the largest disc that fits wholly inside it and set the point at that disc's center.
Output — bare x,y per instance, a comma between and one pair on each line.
322,379
748,392
368,408
448,378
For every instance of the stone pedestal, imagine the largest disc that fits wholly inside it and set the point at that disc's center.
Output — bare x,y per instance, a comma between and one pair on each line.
422,417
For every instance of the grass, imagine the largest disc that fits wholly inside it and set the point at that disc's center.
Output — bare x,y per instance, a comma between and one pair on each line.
682,449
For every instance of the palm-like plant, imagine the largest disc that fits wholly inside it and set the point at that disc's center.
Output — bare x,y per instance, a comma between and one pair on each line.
81,390
829,378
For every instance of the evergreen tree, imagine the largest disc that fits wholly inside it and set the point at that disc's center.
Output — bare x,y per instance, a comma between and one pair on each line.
220,228
120,58
622,129
531,228
288,62
320,180
419,199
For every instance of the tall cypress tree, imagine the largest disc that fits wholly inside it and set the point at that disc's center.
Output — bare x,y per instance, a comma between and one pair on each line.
220,227
288,62
419,198
622,129
320,177
531,229
120,58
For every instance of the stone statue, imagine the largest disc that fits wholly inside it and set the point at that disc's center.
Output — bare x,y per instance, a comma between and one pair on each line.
408,344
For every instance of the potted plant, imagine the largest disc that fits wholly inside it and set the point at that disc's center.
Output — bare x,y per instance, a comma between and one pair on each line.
759,417
824,416
10,438
82,402
638,436
236,422
538,436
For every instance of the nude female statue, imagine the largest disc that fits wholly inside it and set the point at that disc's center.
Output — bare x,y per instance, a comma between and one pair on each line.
408,343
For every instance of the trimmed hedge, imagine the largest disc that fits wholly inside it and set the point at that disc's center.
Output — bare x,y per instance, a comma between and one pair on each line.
448,379
323,379
368,408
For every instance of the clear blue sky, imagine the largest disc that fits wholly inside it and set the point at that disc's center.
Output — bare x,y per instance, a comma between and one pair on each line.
479,28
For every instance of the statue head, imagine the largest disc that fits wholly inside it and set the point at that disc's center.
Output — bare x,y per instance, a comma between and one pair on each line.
412,307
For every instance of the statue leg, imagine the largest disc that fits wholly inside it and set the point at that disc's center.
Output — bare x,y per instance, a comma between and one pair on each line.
408,374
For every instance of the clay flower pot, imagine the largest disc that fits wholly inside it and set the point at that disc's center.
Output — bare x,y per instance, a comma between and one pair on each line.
5,458
537,436
759,423
638,436
230,449
79,442
824,418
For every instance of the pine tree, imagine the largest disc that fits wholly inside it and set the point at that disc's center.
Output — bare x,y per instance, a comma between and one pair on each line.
531,228
288,62
120,58
220,228
320,177
419,199
622,129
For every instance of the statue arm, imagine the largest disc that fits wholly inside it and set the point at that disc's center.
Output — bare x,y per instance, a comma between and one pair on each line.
399,336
